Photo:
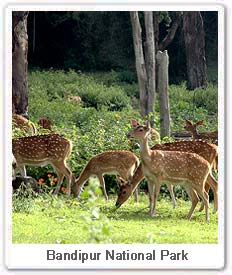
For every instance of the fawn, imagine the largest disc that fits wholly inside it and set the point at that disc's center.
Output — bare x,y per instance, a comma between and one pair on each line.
41,150
24,124
208,136
119,162
187,169
45,123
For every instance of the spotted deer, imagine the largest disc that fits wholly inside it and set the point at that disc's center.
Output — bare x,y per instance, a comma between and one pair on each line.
41,150
119,162
24,124
187,169
208,136
73,98
45,123
203,149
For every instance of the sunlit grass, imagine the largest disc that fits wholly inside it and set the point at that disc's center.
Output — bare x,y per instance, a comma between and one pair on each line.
62,221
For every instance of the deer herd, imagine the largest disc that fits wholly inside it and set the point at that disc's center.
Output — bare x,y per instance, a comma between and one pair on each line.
188,163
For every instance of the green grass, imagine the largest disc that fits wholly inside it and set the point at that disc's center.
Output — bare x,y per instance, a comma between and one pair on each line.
48,220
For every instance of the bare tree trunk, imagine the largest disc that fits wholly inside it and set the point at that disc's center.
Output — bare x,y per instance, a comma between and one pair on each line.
139,61
19,62
145,68
156,29
162,64
150,42
194,38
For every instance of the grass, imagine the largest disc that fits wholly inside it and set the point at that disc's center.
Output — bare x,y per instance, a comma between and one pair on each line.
59,220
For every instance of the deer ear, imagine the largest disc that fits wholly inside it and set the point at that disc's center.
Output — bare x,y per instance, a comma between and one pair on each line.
134,123
200,122
188,122
120,181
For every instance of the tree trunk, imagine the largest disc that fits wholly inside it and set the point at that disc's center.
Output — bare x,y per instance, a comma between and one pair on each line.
156,29
194,38
150,42
162,65
19,62
145,68
139,61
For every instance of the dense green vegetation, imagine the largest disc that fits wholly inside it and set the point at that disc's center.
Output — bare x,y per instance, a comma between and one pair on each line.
101,121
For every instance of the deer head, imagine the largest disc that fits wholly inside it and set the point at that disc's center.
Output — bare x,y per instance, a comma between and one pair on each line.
45,123
139,131
24,124
192,127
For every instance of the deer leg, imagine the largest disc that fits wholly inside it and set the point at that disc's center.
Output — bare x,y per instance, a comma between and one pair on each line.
156,194
22,171
60,177
62,170
102,182
69,177
205,198
128,177
136,192
207,187
136,195
170,189
151,187
194,199
214,185
215,164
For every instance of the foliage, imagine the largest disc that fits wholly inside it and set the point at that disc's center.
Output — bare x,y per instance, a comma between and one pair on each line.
194,105
94,41
93,130
81,40
95,222
53,85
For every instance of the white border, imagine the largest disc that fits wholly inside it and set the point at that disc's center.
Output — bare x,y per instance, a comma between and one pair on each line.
216,259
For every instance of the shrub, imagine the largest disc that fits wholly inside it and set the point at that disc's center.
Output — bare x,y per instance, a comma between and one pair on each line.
194,105
103,120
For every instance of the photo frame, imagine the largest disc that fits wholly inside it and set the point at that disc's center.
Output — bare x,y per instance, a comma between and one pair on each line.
114,256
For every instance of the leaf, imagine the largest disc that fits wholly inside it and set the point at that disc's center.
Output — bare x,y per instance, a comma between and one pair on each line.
95,214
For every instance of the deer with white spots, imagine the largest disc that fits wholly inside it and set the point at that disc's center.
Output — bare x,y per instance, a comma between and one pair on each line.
202,148
187,169
119,162
208,136
45,123
41,150
26,126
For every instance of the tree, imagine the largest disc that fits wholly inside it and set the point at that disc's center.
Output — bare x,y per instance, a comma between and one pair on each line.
194,38
162,87
19,62
150,61
175,19
162,63
145,66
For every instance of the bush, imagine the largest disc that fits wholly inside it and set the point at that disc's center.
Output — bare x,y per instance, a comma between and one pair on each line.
103,120
52,85
194,105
